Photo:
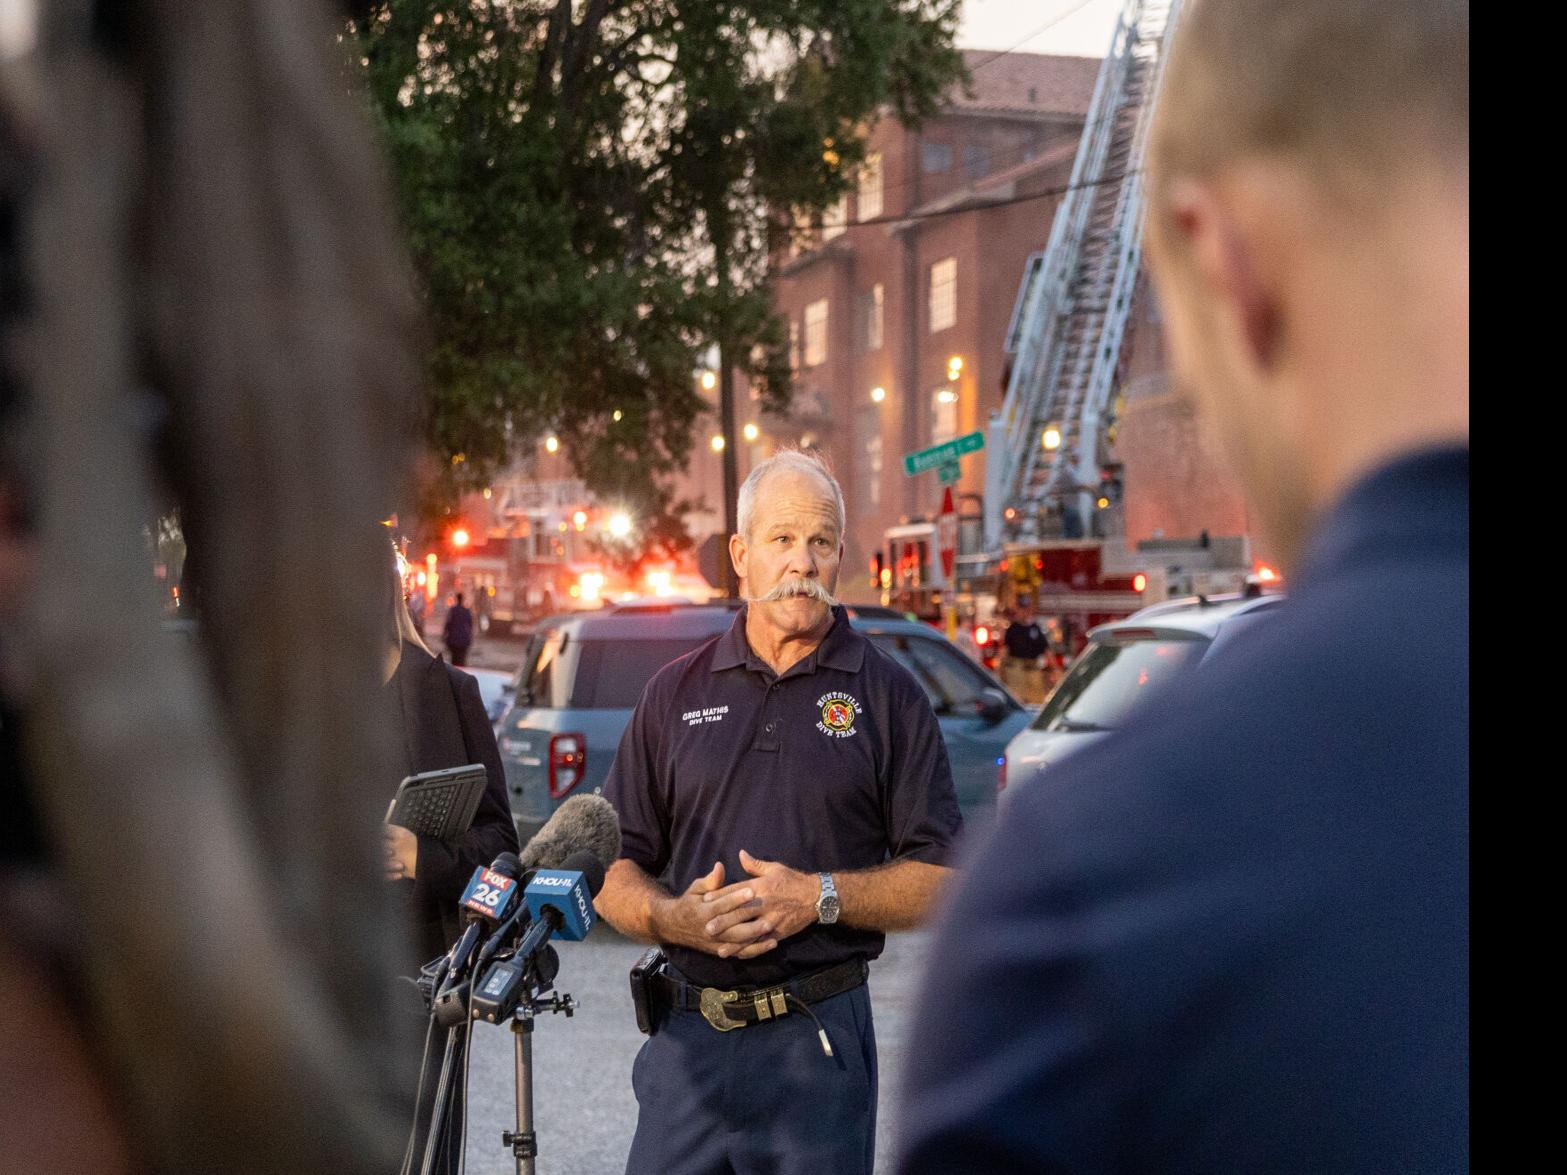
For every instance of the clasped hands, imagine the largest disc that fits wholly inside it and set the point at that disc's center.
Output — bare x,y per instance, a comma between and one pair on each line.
747,918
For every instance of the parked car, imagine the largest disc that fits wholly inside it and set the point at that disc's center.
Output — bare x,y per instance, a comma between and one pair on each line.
495,690
1125,662
583,673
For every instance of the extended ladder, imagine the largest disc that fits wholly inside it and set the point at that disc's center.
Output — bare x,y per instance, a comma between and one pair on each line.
1074,302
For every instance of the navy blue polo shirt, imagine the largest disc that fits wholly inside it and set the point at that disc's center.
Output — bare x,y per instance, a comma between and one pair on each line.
837,764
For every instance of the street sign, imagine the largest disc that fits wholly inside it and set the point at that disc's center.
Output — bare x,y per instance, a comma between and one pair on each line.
947,535
939,455
949,472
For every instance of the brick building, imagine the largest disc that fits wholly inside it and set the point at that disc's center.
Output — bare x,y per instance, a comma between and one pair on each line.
920,265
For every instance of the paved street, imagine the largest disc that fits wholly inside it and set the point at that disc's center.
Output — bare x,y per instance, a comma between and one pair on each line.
582,1066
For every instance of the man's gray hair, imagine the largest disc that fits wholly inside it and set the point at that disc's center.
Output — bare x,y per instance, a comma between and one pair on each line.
795,460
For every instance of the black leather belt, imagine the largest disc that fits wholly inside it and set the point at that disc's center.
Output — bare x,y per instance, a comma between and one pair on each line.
727,1010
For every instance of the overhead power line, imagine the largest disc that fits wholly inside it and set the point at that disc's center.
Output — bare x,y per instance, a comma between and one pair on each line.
1048,25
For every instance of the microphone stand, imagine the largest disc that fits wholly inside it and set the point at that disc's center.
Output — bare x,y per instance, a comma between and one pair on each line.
524,1143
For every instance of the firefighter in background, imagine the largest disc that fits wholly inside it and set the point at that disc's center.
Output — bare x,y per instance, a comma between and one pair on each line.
1022,669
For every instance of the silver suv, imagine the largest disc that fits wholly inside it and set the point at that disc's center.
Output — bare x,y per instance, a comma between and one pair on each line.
1125,662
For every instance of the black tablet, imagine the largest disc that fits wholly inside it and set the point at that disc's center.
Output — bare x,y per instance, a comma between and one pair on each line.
438,803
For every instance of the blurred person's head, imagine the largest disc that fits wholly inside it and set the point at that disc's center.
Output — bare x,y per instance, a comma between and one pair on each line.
790,544
1308,231
397,626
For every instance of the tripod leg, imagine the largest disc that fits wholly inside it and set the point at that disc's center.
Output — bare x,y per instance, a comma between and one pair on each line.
432,1144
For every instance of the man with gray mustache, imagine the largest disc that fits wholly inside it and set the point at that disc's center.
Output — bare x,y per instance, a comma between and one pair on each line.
796,762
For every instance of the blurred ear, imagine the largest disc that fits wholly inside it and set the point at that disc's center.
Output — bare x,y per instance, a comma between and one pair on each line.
1223,257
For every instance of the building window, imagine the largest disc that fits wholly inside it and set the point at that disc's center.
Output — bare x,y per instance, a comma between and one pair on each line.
943,294
870,187
871,319
870,463
794,345
816,333
943,414
976,160
835,219
936,157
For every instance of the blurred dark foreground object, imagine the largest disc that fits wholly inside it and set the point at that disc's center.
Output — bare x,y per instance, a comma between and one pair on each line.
203,303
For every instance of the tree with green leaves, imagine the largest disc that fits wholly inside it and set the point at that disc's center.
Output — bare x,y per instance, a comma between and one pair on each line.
593,189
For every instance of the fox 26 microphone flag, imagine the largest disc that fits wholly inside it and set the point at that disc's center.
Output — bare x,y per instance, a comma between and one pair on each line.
567,891
489,895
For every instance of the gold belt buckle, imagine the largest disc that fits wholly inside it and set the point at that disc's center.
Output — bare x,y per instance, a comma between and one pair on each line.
713,1002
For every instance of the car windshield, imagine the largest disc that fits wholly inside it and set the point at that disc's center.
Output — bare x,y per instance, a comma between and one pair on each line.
951,681
548,670
1113,677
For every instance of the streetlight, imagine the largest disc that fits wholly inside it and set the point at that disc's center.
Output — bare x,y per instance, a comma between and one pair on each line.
617,414
752,432
954,367
460,538
718,442
551,444
579,520
878,394
1051,438
619,525
709,380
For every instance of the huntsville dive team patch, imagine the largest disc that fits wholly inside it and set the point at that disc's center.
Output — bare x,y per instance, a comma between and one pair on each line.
838,714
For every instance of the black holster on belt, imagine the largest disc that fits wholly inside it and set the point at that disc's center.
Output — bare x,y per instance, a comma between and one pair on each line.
643,998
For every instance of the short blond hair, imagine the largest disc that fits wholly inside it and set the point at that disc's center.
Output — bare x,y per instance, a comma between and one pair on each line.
1354,89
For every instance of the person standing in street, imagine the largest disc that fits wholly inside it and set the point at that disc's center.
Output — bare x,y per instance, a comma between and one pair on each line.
442,723
1023,669
458,631
1234,936
785,799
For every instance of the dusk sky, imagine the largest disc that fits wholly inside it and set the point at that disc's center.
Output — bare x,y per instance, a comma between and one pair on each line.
1002,24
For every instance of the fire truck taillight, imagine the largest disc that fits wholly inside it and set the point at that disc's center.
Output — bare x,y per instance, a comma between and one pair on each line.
982,636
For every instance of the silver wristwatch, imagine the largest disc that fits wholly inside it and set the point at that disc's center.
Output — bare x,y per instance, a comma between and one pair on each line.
827,904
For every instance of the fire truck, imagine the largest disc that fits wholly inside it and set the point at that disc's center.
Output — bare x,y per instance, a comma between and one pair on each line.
1049,526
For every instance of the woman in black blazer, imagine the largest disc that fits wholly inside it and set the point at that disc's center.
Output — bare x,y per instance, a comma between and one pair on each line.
443,724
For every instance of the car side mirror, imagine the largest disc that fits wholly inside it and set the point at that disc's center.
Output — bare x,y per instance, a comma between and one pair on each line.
991,706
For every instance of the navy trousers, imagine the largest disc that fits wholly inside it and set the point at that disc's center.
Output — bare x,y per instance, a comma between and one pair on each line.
760,1100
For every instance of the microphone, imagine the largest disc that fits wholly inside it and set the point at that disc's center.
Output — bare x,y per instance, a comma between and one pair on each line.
561,902
585,823
490,894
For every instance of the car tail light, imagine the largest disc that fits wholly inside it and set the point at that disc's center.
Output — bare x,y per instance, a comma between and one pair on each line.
568,762
982,636
1001,774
